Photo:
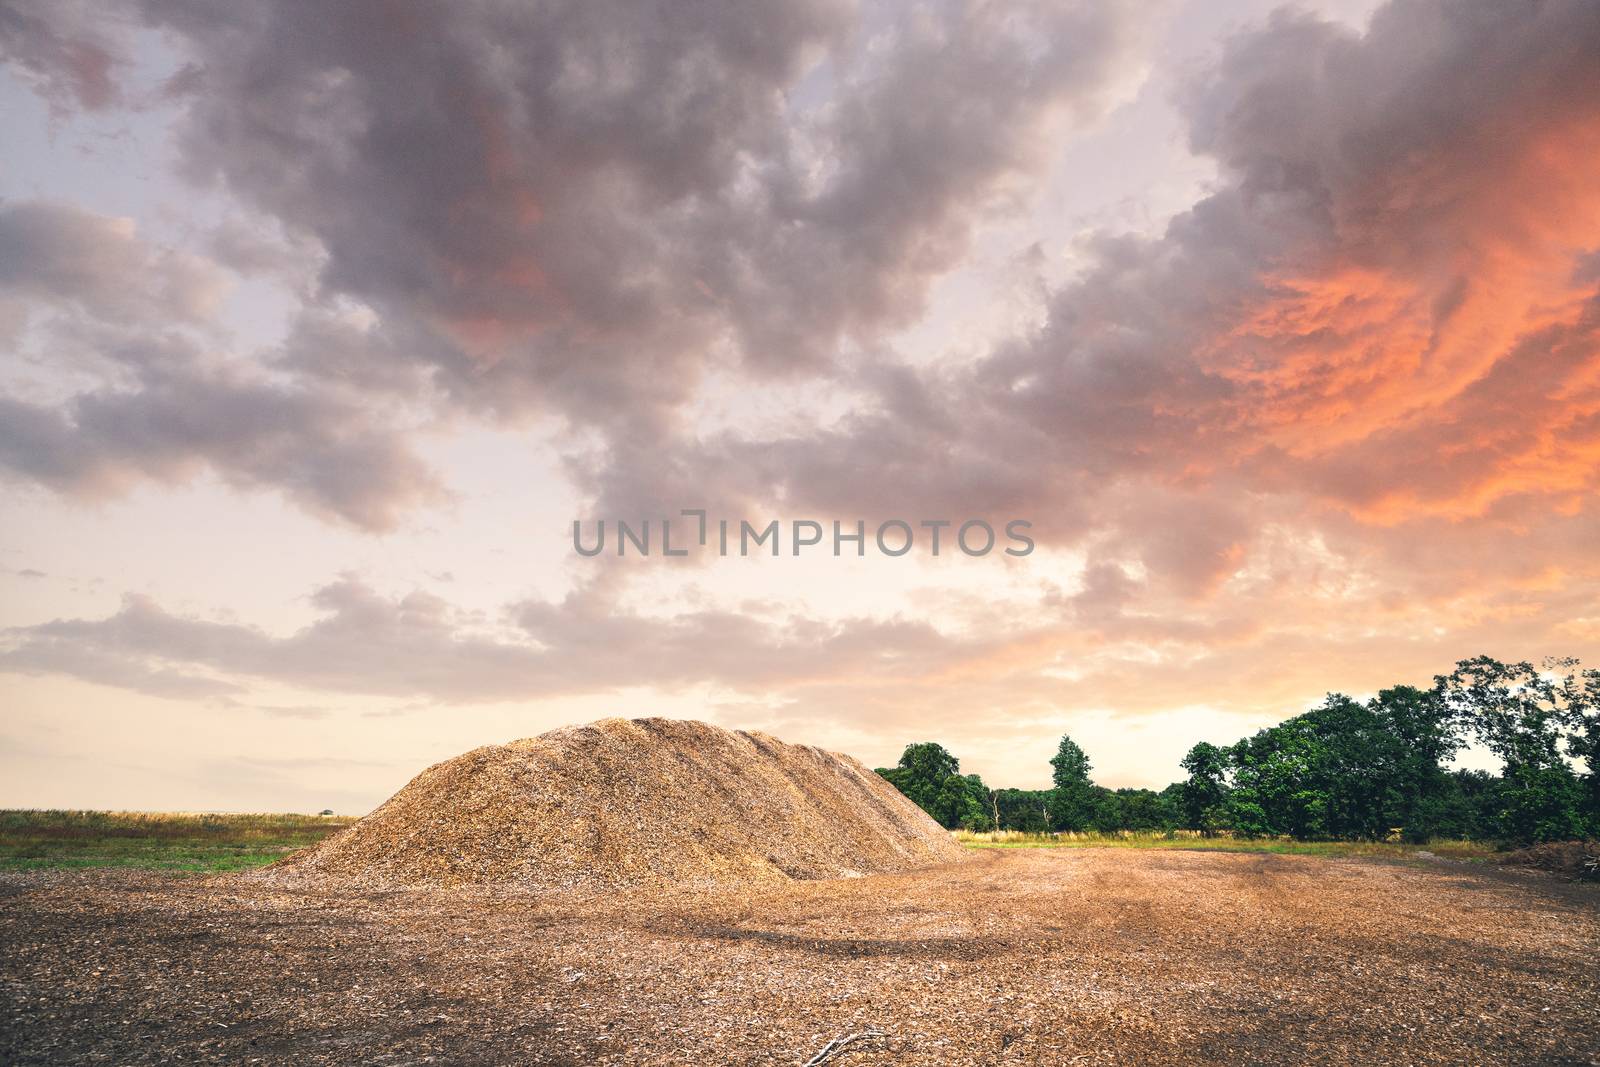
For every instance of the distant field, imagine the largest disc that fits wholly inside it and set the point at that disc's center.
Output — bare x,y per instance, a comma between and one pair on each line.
1189,840
176,841
157,841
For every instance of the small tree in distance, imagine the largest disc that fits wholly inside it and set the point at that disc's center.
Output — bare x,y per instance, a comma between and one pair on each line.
1072,800
1070,765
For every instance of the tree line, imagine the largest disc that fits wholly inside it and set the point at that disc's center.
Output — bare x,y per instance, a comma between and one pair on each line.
1346,769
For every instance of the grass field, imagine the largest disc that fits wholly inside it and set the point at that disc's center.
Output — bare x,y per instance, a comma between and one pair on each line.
176,841
1191,841
158,841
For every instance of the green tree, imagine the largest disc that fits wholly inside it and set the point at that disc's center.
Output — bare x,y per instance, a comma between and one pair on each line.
931,777
1469,804
1344,769
1275,782
1521,715
1425,736
1203,796
974,813
1070,765
1579,700
1143,810
1073,801
1025,810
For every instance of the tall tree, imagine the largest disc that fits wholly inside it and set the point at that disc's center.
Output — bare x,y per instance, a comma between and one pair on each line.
1070,765
1203,795
1579,697
1073,801
1426,734
1520,714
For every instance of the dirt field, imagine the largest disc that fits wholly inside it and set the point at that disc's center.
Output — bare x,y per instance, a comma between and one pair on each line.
1048,957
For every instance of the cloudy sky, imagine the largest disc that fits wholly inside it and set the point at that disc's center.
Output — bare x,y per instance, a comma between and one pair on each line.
321,323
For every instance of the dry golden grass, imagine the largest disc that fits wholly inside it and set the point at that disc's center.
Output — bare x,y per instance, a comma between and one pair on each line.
1194,840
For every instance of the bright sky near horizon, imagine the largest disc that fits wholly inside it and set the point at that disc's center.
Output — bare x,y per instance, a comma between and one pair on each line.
320,324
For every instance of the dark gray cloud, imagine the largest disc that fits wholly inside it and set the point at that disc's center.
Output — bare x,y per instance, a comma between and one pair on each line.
1349,322
188,413
262,250
1246,653
166,405
571,206
327,350
578,208
421,646
64,255
1374,338
61,654
69,50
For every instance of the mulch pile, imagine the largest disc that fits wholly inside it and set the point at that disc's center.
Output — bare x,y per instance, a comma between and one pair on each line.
629,802
1578,860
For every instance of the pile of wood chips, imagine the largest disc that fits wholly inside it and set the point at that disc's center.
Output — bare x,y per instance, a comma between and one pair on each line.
1577,860
629,802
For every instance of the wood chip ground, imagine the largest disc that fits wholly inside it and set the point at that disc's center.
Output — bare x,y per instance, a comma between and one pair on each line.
1097,956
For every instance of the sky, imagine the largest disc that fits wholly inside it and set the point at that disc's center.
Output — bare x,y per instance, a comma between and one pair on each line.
321,325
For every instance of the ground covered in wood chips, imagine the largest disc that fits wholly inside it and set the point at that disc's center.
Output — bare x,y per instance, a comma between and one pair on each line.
1040,957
